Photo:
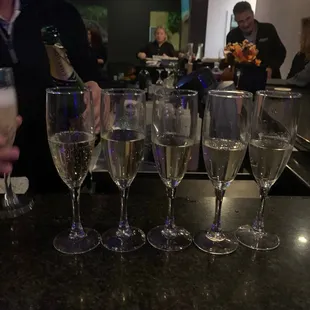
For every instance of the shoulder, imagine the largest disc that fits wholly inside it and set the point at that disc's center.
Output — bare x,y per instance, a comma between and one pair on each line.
266,26
233,33
168,44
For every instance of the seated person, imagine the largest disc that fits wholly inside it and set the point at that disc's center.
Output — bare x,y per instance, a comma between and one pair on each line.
300,71
97,47
159,47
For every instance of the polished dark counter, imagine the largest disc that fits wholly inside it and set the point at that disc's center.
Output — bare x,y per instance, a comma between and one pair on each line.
35,276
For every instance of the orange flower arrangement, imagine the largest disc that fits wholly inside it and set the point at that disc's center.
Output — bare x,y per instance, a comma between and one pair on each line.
245,52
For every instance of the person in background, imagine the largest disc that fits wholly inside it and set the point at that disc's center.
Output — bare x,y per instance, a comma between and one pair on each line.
158,47
30,64
97,46
272,52
300,70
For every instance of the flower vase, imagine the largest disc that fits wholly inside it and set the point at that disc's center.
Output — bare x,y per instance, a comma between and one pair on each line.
250,77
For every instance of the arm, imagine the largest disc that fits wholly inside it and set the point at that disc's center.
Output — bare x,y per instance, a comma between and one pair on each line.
73,35
171,52
302,78
278,50
142,54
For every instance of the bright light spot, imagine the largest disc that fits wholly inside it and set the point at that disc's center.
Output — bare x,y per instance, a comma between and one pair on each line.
302,239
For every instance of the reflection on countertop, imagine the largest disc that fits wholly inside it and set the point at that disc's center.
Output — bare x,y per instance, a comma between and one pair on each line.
35,276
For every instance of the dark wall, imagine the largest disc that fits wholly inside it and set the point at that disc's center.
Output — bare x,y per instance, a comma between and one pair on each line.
128,24
198,21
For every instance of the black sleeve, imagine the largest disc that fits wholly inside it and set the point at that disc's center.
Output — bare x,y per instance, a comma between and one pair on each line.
70,25
171,51
144,49
103,54
293,67
278,50
229,38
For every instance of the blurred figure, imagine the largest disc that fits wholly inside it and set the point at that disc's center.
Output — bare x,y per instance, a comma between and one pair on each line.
300,69
20,22
97,46
158,47
272,52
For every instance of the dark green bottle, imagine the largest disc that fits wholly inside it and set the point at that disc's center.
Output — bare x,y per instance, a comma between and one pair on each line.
61,69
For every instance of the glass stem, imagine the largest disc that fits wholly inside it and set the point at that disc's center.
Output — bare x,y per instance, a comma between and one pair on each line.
216,226
169,224
77,230
123,227
258,224
10,198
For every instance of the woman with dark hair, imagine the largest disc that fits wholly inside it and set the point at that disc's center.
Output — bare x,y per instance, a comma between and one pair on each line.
96,44
300,70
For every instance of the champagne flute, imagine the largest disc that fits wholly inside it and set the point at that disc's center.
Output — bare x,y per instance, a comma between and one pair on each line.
12,205
159,80
71,135
226,133
122,139
175,114
93,162
273,133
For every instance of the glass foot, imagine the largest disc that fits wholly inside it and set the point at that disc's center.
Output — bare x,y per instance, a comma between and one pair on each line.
256,241
116,242
16,206
180,239
65,245
225,244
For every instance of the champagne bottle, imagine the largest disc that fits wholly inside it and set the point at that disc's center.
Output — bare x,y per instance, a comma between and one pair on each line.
61,70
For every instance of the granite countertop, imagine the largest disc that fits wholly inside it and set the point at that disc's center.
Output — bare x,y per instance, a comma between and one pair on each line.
35,276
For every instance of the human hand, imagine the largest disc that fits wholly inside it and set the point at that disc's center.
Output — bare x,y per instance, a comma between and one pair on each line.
8,154
141,55
269,73
96,95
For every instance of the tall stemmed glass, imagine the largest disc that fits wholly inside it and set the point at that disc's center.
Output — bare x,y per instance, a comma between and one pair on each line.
273,133
159,80
12,205
71,136
122,138
225,137
175,114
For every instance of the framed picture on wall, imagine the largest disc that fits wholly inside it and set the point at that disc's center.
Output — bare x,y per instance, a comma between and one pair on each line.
152,34
233,23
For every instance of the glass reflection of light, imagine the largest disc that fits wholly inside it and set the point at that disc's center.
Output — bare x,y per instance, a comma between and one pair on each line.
302,239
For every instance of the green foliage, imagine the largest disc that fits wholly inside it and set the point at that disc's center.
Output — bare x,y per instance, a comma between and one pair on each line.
95,13
174,22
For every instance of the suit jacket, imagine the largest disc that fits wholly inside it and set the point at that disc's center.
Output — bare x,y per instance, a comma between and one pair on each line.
272,52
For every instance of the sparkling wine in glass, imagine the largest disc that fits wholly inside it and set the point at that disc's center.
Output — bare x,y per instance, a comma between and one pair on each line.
71,137
175,114
12,204
94,159
273,134
226,133
122,139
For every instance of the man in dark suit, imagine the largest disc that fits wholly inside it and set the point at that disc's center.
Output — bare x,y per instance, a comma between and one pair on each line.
272,52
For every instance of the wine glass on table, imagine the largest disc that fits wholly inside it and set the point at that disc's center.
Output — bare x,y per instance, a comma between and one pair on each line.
159,80
12,204
122,139
71,136
225,137
175,114
273,133
93,162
